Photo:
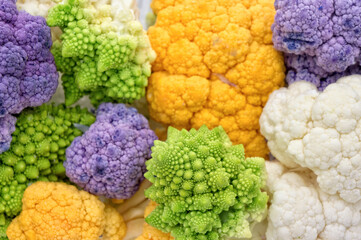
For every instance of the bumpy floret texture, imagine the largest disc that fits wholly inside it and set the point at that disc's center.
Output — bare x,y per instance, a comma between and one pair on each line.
320,38
109,159
28,75
37,151
215,65
7,127
149,232
301,210
104,52
59,211
204,186
320,131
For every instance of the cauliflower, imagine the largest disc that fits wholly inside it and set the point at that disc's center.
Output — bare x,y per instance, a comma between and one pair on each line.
301,210
109,159
104,52
204,186
28,77
215,65
320,38
59,211
320,131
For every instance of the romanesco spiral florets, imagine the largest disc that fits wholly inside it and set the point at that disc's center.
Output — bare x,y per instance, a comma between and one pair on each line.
204,186
104,51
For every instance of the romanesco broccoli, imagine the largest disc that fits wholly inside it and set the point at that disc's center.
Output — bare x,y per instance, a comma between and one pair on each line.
104,51
205,188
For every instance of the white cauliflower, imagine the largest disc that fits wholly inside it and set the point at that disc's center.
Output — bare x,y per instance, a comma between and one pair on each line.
301,210
320,131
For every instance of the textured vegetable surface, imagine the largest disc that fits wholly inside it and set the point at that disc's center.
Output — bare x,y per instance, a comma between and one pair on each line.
59,211
28,75
319,131
215,65
103,51
109,159
301,210
37,151
204,186
149,232
321,39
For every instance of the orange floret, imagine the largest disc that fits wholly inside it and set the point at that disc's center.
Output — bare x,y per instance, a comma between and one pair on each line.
149,232
58,211
215,65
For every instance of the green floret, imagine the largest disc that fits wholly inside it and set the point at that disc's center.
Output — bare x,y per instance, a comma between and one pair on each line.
204,186
37,151
104,53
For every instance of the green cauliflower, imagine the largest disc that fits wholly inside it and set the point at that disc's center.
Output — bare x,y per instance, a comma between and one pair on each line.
104,51
37,152
204,186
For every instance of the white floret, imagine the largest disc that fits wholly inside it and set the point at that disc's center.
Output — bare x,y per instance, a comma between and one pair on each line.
296,211
320,131
301,210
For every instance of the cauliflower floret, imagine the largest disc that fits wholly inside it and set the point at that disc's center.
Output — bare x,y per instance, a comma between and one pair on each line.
301,210
320,131
59,211
320,38
215,65
109,159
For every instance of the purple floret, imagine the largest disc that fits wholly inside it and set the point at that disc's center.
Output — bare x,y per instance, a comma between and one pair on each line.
303,67
28,75
7,127
323,35
109,159
27,66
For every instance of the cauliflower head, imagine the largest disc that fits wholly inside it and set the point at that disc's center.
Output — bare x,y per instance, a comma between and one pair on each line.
109,159
215,65
320,39
57,211
320,131
28,75
301,210
104,51
204,186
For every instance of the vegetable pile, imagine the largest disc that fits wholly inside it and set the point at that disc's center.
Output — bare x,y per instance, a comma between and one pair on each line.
215,65
205,187
321,39
104,52
216,81
37,151
109,159
28,75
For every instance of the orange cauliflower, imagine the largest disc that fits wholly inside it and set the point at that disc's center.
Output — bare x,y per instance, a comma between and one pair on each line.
149,232
58,211
216,65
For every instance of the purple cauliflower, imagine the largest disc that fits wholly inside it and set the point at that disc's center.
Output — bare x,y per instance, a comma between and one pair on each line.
109,159
321,39
28,76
